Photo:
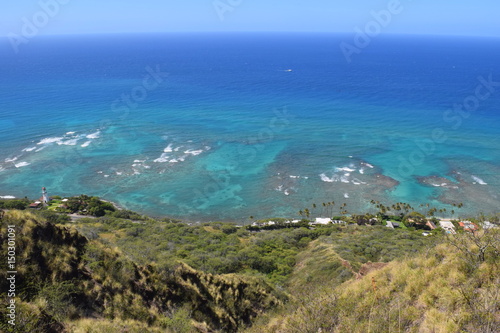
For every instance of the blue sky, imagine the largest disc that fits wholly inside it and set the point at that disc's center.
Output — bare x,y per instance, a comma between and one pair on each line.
457,17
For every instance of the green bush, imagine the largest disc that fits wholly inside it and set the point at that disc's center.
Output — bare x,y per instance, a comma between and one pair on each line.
19,204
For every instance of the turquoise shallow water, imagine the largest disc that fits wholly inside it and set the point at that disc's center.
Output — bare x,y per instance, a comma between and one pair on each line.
250,124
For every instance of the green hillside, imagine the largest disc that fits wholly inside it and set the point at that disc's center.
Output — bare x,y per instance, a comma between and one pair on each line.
452,287
66,282
124,272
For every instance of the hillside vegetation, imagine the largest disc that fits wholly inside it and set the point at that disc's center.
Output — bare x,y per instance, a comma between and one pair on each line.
124,272
67,283
452,287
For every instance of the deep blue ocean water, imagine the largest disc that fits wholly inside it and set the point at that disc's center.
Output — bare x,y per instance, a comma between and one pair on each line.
239,125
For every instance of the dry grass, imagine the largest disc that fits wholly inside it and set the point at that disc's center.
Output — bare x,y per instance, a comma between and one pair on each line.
434,292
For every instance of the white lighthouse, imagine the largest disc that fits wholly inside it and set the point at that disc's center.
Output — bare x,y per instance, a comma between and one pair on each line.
45,197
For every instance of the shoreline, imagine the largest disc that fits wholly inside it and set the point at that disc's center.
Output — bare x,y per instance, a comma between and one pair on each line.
199,218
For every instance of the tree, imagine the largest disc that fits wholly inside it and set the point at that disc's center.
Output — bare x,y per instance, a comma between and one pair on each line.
478,246
19,204
415,218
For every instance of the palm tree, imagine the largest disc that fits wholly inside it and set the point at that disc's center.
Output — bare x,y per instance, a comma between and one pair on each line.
331,204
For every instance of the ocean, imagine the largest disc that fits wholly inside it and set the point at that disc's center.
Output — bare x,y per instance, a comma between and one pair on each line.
206,127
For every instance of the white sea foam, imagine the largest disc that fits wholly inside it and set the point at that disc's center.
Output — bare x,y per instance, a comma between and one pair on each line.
162,159
70,133
29,149
86,144
168,149
7,197
361,171
119,173
346,195
356,181
369,165
193,152
325,178
106,176
50,140
21,164
41,148
173,161
178,148
71,142
139,161
94,135
479,180
347,169
286,192
345,178
8,160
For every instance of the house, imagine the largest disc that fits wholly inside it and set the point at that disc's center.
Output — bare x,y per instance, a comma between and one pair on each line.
431,225
392,224
35,205
262,224
488,225
322,220
447,226
468,226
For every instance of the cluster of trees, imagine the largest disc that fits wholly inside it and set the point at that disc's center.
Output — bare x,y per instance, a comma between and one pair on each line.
83,204
324,209
404,210
19,204
400,211
87,205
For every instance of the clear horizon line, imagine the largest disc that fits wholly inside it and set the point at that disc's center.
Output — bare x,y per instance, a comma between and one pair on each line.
255,32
